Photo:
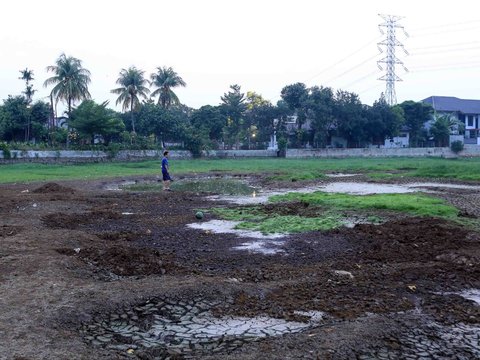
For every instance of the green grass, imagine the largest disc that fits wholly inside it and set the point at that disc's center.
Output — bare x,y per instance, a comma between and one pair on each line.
292,224
253,218
253,213
301,169
330,207
414,204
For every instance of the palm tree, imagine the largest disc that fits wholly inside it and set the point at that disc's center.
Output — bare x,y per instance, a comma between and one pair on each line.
27,76
165,79
132,82
71,81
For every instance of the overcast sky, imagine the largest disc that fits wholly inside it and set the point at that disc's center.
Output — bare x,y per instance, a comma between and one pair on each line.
260,45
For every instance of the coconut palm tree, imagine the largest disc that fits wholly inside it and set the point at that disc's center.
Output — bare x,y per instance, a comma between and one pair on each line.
132,87
70,81
165,79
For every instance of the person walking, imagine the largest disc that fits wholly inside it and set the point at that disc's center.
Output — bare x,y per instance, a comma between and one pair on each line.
165,173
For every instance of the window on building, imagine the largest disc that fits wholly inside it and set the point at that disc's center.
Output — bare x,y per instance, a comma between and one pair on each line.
470,120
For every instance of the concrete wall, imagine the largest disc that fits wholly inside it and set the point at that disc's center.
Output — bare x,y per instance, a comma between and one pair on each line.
383,152
469,151
239,153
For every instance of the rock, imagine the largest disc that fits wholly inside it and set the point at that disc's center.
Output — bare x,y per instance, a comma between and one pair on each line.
343,273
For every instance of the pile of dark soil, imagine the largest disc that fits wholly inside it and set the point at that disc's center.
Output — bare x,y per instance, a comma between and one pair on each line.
49,188
125,261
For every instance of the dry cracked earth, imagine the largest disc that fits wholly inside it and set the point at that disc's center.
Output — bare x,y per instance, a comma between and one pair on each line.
91,273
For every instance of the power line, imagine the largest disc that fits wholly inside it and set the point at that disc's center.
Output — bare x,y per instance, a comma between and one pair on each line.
343,59
446,25
447,67
361,79
445,31
446,45
351,69
445,51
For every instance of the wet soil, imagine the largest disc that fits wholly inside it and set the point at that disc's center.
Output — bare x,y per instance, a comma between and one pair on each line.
74,256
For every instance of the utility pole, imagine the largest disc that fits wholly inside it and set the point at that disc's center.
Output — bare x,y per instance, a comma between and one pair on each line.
390,43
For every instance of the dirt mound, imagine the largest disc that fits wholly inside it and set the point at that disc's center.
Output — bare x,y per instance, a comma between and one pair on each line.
73,221
49,188
124,261
409,239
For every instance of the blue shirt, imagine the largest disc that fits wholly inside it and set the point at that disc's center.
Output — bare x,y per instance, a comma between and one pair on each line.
164,164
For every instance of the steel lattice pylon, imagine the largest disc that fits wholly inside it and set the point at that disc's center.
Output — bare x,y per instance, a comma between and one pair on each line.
390,43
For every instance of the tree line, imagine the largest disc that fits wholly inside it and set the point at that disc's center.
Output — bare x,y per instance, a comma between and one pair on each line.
153,116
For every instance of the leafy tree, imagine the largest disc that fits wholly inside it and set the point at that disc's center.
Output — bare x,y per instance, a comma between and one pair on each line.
38,117
70,81
296,96
209,122
132,87
442,128
233,107
13,118
382,121
91,119
350,119
416,115
259,117
164,80
163,124
320,106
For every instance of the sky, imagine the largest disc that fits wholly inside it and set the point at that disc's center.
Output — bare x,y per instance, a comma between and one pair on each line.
260,45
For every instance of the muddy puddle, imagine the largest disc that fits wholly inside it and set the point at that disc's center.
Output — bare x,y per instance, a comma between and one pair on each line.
186,327
353,188
266,244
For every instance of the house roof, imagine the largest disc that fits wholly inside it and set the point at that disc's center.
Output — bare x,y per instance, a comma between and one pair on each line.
453,104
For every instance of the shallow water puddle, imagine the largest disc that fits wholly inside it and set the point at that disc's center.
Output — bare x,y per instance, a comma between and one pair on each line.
228,227
353,188
268,244
262,247
186,327
340,175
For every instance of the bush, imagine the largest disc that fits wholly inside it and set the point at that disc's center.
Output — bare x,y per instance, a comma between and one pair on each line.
6,151
456,146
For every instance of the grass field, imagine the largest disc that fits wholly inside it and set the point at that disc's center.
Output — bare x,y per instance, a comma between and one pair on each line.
329,206
280,169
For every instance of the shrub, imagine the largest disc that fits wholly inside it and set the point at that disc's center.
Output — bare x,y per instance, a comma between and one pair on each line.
6,151
456,146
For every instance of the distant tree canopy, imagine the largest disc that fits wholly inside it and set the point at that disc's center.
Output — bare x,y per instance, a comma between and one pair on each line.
154,116
416,115
16,114
91,119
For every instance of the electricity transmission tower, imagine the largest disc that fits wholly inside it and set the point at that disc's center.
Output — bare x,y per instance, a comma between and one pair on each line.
390,42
